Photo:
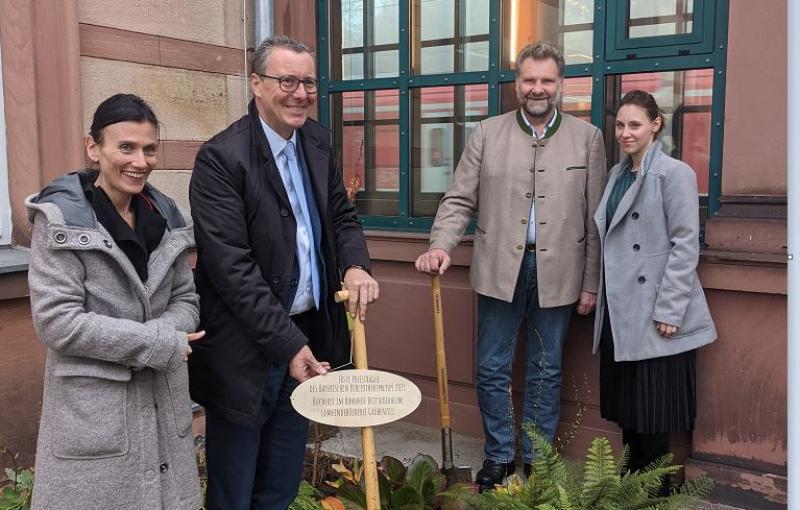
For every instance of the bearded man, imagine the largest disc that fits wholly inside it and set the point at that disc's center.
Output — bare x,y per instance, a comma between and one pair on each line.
533,177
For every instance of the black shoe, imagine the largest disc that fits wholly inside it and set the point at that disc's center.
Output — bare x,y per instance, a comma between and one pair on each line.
492,473
527,468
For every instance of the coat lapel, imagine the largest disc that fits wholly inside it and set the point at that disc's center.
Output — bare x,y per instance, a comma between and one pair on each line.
268,164
630,197
317,160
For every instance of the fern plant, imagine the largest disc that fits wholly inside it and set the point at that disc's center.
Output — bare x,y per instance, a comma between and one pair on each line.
601,484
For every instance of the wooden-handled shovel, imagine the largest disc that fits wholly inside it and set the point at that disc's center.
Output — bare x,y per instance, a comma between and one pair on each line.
454,474
367,438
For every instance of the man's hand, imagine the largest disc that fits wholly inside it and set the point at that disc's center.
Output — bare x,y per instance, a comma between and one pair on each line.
665,329
363,290
303,366
435,261
586,303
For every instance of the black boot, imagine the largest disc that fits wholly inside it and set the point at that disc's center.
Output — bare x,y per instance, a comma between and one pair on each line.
492,473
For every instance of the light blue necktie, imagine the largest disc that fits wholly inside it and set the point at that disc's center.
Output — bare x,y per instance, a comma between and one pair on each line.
299,203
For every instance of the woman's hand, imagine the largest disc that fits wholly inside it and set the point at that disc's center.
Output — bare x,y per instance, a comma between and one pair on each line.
192,337
665,329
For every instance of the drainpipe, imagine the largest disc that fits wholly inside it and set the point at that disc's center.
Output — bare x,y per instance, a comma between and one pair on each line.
262,20
793,218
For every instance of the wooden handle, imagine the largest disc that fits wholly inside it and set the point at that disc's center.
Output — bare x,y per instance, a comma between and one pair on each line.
370,469
359,338
441,358
367,437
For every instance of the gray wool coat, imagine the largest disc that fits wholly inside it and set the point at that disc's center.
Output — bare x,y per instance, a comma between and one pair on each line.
116,419
649,255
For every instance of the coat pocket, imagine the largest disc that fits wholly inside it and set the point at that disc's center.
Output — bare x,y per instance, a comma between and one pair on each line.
90,411
178,382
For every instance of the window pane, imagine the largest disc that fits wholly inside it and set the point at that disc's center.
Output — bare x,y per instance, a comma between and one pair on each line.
366,138
450,36
566,23
648,18
576,97
685,98
443,118
364,43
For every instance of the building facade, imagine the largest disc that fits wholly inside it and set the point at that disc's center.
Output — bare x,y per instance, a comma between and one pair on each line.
402,84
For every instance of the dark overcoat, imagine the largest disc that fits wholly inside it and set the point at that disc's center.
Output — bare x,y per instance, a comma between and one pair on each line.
247,269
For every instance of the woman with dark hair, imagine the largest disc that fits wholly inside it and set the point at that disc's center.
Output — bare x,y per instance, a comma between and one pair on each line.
652,313
113,300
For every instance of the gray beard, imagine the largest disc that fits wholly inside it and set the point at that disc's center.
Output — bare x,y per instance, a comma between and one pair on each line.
541,108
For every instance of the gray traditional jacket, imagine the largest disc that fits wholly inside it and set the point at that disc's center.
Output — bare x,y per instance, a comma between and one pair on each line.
649,255
116,419
500,173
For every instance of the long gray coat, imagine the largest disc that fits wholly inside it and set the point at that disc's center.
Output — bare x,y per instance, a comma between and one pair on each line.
116,416
649,256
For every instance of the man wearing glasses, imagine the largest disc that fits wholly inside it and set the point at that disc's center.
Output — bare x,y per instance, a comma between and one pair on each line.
275,235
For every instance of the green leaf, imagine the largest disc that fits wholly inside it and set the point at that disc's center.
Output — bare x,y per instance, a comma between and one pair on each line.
407,497
385,489
394,469
422,468
353,494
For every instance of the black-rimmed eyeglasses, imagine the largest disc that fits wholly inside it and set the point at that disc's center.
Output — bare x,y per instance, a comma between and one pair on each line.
290,83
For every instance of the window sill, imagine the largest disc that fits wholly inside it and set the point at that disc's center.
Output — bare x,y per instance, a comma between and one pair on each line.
13,259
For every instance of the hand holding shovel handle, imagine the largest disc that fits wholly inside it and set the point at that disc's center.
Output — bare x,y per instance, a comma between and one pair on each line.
367,438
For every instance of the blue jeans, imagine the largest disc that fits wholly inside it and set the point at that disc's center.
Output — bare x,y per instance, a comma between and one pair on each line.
498,329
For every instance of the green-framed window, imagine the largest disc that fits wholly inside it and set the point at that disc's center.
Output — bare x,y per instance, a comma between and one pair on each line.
403,82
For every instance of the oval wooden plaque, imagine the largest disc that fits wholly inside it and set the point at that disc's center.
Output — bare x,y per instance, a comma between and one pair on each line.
356,398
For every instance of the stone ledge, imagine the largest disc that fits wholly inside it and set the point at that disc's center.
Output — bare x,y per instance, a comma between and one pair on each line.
740,486
13,259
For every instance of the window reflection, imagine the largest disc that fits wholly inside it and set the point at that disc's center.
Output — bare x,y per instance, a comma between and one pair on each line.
443,118
685,98
648,18
450,36
366,138
364,39
566,23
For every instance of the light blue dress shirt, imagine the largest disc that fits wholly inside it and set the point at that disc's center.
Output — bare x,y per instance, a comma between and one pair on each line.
531,239
287,160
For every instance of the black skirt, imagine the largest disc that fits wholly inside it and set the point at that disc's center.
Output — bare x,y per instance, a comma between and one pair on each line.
650,396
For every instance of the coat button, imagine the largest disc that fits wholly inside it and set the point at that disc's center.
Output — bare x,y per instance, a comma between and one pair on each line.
284,212
60,237
636,247
642,279
276,279
163,467
147,412
524,221
147,289
519,246
635,216
107,243
173,242
293,283
528,195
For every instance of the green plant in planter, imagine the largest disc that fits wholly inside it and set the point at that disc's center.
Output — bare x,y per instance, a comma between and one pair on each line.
416,487
600,484
17,494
